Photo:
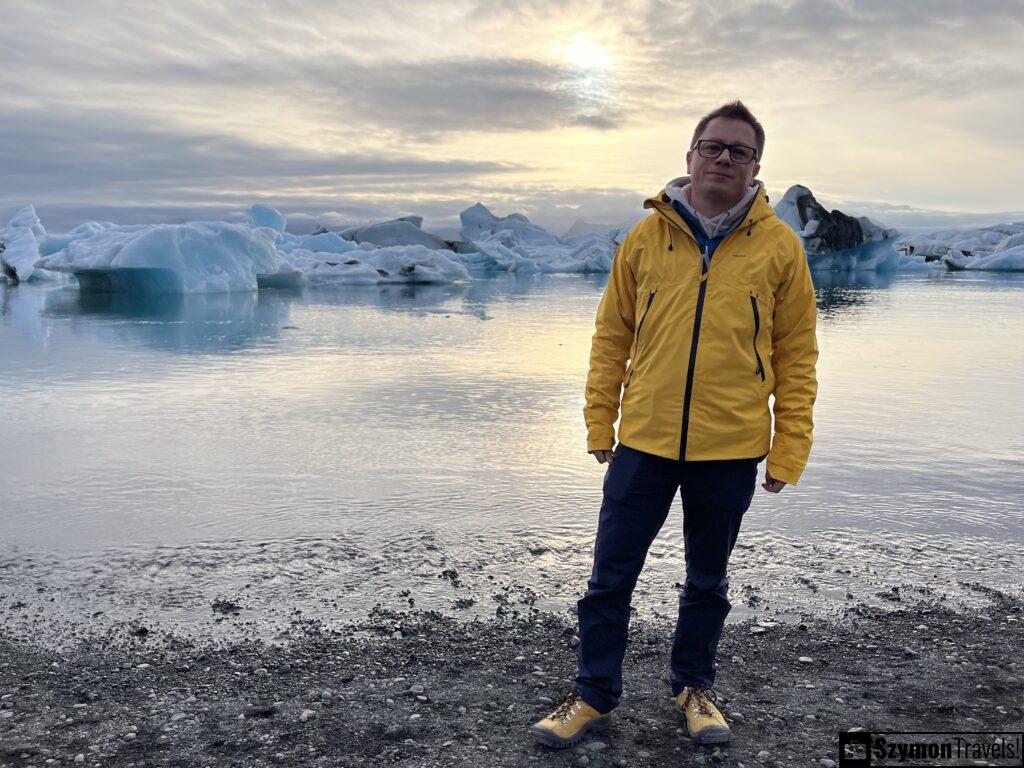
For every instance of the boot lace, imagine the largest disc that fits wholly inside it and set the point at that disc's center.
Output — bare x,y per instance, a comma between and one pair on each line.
703,698
565,710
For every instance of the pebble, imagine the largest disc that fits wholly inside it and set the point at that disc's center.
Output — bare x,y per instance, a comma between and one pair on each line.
80,757
757,630
827,763
306,714
805,660
738,717
595,746
414,716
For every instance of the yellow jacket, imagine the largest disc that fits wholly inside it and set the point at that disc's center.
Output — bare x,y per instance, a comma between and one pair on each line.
706,345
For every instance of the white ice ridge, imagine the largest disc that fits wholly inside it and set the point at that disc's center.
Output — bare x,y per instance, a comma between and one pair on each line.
513,243
207,257
995,248
202,257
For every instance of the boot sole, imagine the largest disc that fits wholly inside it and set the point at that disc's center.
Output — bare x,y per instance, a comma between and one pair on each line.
551,739
709,736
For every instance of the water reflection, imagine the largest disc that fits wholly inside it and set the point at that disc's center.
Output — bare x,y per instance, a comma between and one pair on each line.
374,411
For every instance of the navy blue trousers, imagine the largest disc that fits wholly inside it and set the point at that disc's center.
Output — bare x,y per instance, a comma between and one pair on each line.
638,492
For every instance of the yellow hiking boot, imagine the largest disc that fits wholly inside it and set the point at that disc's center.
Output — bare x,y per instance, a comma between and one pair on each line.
704,723
569,723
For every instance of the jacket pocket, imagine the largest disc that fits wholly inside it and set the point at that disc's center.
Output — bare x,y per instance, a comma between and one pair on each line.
759,370
636,343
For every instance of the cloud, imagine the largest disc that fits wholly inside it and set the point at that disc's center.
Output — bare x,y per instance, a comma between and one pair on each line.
911,47
365,109
74,153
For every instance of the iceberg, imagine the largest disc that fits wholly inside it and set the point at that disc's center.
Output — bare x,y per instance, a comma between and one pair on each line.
514,244
407,230
1008,260
993,248
835,241
478,223
366,265
199,257
264,216
20,244
325,242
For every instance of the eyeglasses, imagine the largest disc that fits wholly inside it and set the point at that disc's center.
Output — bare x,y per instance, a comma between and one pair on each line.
739,153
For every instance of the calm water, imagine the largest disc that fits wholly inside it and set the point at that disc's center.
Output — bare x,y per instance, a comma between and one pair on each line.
331,449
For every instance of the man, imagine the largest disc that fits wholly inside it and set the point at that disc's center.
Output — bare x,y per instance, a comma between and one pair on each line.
710,300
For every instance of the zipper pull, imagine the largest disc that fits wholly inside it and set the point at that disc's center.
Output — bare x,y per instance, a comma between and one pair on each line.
706,258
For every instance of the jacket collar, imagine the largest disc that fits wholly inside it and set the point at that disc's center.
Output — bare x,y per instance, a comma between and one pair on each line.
759,210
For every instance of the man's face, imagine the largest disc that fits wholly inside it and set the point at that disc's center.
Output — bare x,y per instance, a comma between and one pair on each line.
720,178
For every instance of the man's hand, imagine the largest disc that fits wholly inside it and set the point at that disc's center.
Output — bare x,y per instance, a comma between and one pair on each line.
770,484
604,456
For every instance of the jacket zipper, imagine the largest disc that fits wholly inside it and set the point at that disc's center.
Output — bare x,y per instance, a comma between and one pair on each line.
705,265
650,300
693,349
757,325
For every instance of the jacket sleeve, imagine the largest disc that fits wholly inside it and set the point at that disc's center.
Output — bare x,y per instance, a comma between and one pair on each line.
610,347
794,356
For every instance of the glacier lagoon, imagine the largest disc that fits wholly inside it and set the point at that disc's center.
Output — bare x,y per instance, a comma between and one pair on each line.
325,449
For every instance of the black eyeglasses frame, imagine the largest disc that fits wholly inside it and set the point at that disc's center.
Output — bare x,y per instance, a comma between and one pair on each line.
697,145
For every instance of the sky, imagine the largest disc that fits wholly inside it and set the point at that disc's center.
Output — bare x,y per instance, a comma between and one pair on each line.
341,112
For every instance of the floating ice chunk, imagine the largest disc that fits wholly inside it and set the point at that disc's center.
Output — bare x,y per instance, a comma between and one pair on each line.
497,256
391,264
405,231
264,216
325,242
20,239
871,256
27,218
1009,260
919,261
20,251
199,257
478,223
514,244
825,233
963,242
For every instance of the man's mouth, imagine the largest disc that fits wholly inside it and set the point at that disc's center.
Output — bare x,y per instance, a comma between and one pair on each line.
716,173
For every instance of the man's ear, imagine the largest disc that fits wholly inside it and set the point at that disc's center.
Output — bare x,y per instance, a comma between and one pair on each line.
757,170
689,155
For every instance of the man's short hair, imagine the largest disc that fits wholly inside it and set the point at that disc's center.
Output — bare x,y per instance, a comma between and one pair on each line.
737,111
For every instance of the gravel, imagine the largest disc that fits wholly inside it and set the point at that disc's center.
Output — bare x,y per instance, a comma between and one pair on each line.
448,692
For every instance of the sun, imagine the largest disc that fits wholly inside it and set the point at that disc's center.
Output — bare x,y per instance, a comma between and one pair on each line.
583,52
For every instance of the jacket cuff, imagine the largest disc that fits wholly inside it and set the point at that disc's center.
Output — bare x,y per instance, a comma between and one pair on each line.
600,441
785,474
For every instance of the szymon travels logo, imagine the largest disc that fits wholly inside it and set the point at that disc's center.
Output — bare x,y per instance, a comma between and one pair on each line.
931,749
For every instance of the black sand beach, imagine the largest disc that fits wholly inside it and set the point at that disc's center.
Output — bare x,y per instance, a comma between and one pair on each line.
421,689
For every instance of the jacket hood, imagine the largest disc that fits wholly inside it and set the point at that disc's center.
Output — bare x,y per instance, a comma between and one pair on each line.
759,209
